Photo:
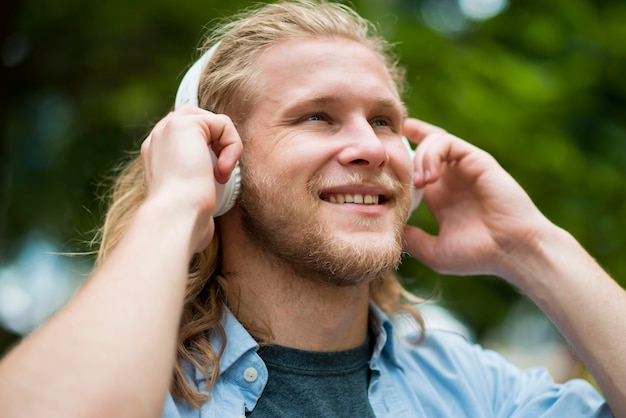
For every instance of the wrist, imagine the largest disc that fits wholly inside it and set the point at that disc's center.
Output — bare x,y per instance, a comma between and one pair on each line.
177,222
532,253
550,262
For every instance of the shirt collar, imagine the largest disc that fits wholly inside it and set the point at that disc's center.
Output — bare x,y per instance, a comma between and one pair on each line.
239,343
381,327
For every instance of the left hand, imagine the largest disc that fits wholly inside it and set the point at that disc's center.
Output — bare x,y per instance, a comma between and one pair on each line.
484,216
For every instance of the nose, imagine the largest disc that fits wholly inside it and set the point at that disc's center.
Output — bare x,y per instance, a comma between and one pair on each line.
363,147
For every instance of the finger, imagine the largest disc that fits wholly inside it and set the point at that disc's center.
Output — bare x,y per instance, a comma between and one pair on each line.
433,151
145,146
422,133
158,142
420,244
417,130
161,124
436,149
225,143
145,149
188,109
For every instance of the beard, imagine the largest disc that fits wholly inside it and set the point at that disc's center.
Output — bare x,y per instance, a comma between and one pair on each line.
291,230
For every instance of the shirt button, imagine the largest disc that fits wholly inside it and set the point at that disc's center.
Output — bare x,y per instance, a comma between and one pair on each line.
250,374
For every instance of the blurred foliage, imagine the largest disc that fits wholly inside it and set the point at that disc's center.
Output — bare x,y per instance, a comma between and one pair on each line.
540,86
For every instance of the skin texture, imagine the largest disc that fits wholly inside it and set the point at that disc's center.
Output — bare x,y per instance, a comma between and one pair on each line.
343,116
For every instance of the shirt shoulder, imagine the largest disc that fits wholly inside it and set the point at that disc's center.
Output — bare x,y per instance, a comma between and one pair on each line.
465,374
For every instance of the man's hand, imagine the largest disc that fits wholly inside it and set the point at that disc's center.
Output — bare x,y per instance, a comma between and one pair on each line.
484,216
178,167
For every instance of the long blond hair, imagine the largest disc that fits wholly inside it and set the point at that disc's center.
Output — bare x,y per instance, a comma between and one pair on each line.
227,86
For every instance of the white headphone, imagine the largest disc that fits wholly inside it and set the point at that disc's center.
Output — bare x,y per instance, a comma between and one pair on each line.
226,194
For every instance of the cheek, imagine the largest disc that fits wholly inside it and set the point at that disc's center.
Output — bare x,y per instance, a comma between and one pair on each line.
401,163
299,161
285,170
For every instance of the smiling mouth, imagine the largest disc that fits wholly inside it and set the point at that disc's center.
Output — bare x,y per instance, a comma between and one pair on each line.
356,198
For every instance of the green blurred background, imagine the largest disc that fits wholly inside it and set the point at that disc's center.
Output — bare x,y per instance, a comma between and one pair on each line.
541,85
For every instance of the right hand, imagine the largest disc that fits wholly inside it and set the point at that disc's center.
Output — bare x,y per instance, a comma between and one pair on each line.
178,169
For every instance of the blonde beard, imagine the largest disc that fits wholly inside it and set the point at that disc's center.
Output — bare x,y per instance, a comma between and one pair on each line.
296,237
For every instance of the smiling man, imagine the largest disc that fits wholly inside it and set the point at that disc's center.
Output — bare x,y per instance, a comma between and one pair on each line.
281,306
336,137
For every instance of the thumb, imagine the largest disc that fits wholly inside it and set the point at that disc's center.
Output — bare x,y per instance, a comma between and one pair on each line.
420,244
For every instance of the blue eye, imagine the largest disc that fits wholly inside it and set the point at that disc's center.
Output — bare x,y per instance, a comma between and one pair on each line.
380,122
317,117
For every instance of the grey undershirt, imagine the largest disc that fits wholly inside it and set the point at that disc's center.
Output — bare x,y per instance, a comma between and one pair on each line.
315,384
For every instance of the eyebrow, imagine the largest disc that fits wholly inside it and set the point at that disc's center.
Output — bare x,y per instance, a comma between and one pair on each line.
327,99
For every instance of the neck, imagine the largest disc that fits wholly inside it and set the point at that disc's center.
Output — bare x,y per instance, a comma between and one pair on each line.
282,308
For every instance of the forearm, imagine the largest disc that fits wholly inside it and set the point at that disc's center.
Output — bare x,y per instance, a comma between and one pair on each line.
585,304
110,350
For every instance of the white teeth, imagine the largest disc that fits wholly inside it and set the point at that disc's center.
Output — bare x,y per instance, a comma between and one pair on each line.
360,199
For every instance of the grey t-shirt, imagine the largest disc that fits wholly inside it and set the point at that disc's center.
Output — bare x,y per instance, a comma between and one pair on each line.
315,384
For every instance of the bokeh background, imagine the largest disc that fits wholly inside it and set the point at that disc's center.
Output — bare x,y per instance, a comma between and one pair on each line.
541,85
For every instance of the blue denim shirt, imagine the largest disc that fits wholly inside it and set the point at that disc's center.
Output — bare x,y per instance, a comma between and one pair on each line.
445,376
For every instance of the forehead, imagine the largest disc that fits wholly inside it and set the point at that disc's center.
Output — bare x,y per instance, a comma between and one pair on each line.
322,69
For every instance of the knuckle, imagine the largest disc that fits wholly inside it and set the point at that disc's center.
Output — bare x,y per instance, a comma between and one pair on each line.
144,145
174,124
223,119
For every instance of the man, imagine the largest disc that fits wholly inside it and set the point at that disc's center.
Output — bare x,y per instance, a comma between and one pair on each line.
279,306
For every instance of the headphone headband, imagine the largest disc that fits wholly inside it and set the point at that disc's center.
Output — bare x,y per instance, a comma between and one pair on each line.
188,89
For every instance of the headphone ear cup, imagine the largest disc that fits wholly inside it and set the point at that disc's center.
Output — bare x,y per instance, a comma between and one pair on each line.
226,194
417,193
187,93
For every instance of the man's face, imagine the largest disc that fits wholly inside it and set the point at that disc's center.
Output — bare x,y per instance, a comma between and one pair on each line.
325,173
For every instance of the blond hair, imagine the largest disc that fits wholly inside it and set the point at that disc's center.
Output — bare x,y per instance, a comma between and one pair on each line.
227,86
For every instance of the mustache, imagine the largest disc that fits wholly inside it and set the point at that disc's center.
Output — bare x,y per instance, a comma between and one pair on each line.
318,183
